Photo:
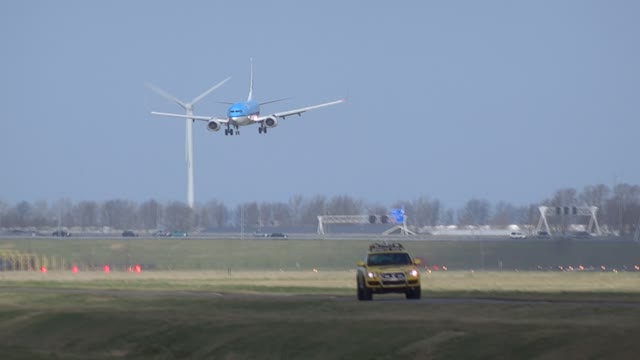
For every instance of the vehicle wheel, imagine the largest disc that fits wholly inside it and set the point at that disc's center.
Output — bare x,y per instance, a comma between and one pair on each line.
363,292
368,294
360,291
414,293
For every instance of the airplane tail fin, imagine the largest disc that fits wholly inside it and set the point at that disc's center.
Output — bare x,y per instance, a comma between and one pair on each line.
250,97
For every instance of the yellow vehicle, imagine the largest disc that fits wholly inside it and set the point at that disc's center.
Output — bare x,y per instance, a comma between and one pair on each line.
388,268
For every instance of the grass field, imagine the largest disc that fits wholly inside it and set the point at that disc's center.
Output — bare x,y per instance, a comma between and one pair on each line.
598,286
41,324
263,254
264,300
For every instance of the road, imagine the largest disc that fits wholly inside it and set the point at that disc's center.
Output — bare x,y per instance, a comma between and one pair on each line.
393,298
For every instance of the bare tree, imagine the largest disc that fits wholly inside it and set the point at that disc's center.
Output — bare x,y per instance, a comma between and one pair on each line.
448,217
265,214
475,212
424,211
503,214
178,216
314,207
86,213
344,205
24,214
296,203
63,212
150,214
564,197
10,218
280,214
624,208
42,214
119,214
594,195
248,214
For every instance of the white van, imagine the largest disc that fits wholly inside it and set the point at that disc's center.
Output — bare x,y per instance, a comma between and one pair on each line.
517,235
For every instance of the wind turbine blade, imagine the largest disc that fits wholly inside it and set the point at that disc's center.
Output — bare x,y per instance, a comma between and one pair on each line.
199,97
166,95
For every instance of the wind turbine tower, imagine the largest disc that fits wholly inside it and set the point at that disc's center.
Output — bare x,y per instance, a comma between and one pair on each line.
188,107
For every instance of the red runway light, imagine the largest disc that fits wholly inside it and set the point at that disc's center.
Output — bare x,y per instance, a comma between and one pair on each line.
138,268
107,268
74,269
43,269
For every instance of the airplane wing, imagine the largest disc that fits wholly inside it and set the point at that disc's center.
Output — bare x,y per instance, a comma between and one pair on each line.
194,117
284,114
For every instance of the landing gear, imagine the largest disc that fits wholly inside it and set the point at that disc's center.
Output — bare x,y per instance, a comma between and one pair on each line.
262,130
231,131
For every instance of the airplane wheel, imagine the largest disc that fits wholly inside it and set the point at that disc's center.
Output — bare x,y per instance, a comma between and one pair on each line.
259,130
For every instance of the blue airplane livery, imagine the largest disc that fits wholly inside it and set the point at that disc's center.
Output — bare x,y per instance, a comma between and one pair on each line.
247,113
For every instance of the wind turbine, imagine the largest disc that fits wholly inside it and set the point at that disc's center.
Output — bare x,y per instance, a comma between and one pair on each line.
188,107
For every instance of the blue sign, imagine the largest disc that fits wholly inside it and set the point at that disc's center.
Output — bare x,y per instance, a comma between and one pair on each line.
398,214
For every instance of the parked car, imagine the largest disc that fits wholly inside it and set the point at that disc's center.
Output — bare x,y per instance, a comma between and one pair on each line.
63,233
581,234
178,233
278,235
161,233
517,235
543,235
129,233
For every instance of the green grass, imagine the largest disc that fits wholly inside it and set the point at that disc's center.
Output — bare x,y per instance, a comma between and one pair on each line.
589,314
264,254
585,286
42,325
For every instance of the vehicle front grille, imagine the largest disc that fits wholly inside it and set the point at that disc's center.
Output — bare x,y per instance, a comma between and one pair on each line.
396,278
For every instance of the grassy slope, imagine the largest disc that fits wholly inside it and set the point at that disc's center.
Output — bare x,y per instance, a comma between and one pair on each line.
539,285
176,254
39,325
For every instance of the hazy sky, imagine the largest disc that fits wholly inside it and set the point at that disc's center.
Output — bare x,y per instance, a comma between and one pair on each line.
499,100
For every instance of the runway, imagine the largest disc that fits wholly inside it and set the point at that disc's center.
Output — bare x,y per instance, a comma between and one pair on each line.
394,298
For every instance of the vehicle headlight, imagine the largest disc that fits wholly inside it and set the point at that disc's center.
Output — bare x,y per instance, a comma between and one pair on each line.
414,273
372,275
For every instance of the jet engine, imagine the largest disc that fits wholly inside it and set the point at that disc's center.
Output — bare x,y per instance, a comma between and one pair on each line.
271,121
213,125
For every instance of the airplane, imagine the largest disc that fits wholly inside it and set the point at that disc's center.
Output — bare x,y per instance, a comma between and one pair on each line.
247,113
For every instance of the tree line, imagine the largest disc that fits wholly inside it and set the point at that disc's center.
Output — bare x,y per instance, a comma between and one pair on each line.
618,210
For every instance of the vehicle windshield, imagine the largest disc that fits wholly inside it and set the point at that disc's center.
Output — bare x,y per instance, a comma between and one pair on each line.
389,259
